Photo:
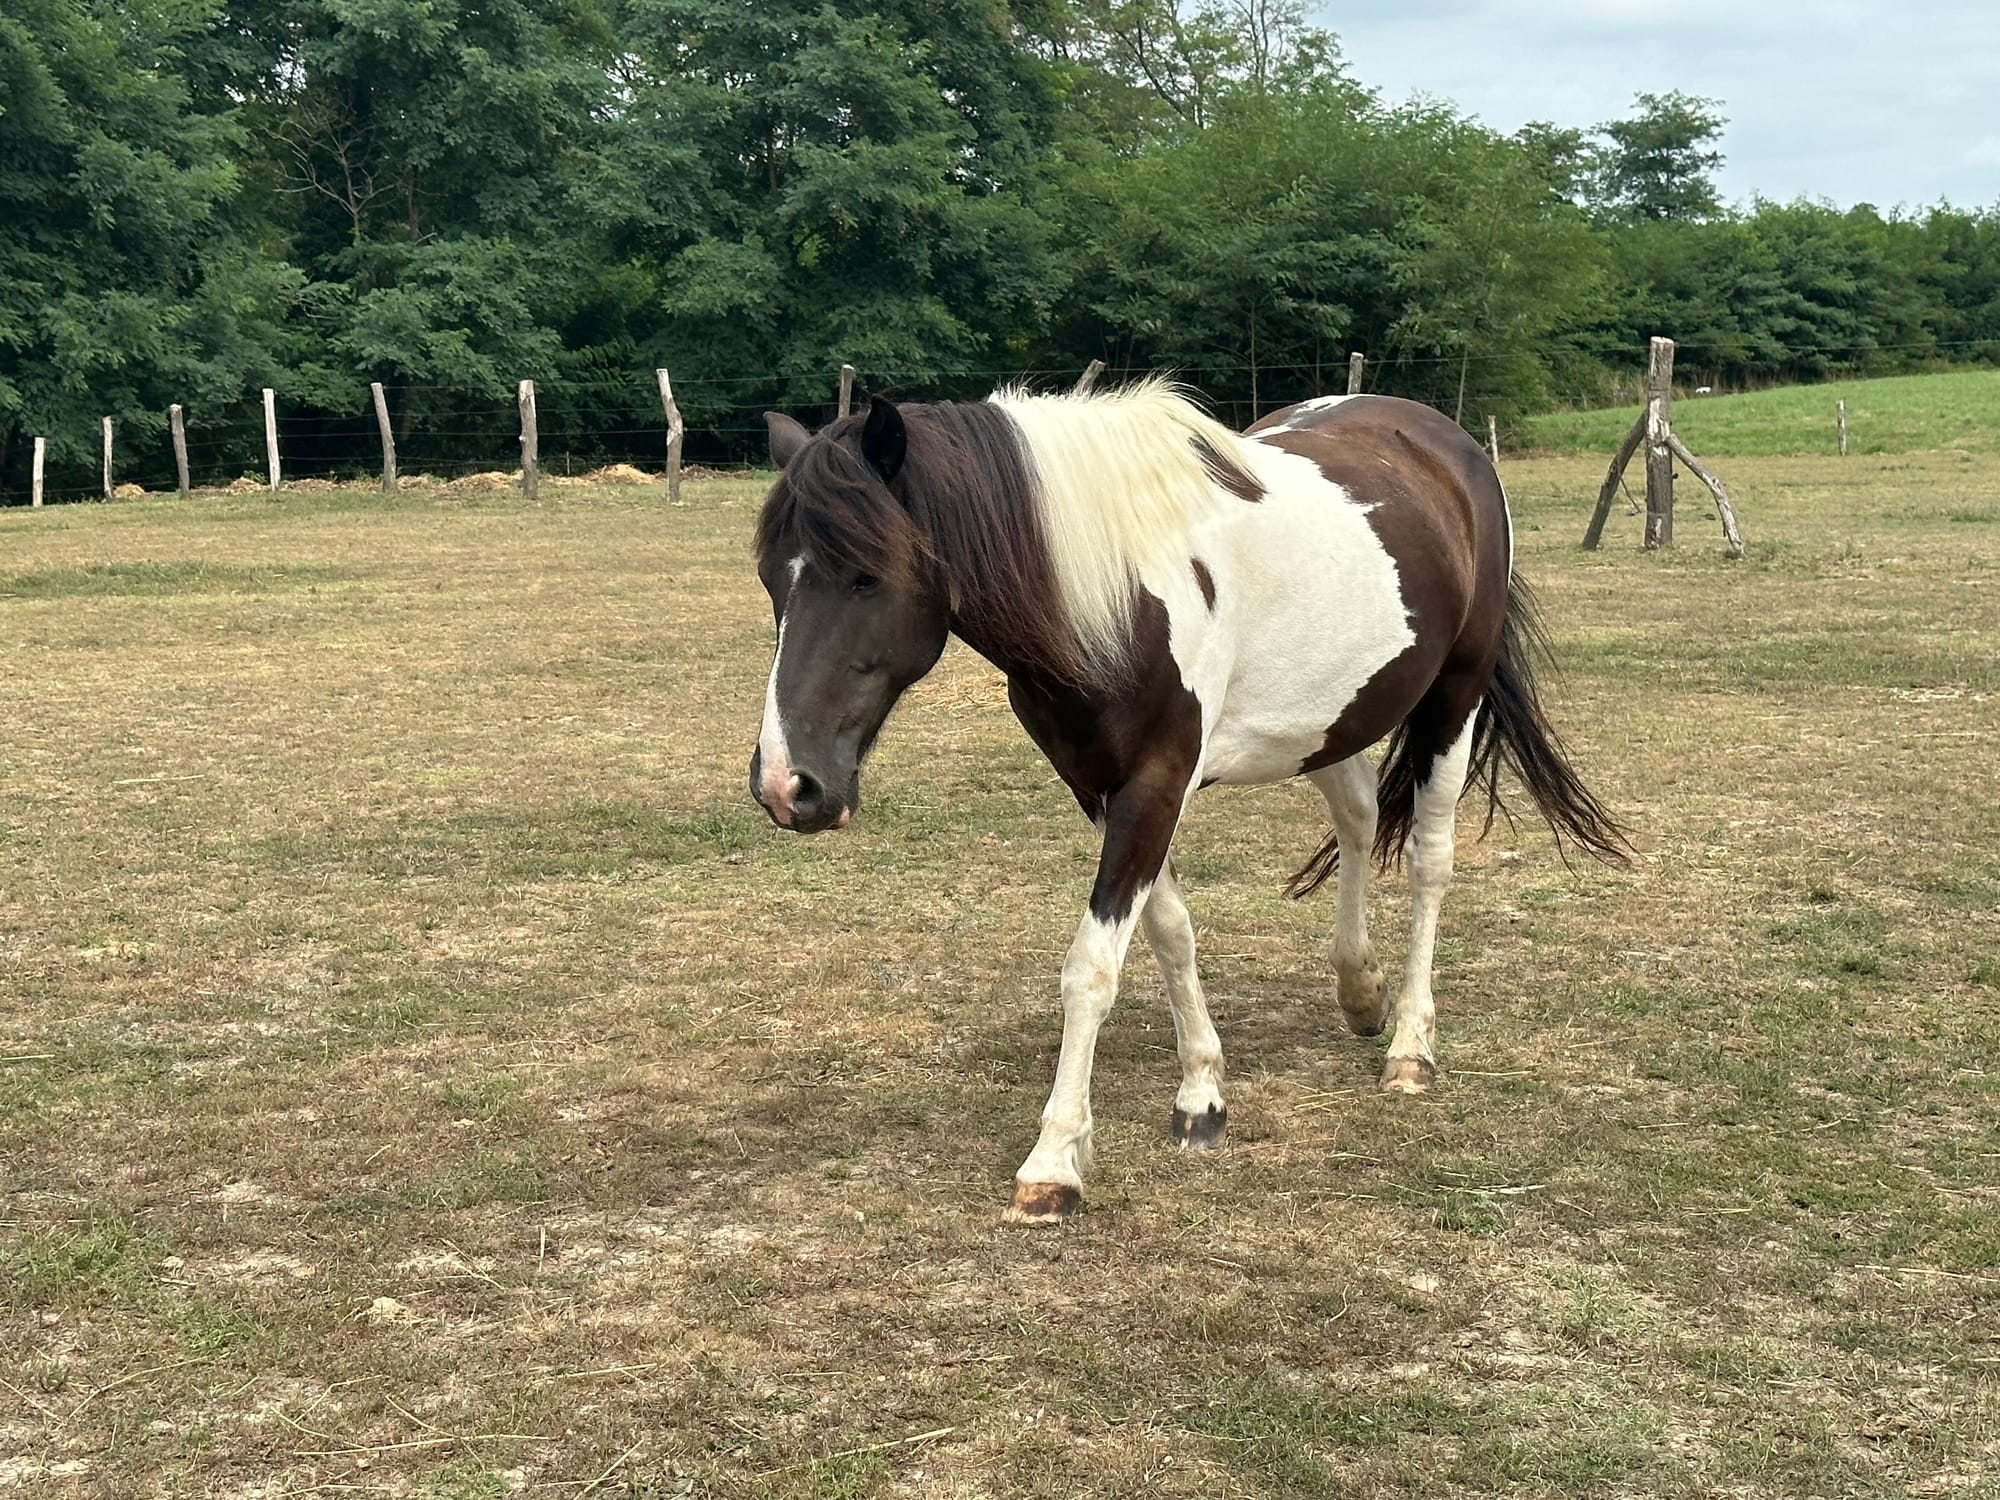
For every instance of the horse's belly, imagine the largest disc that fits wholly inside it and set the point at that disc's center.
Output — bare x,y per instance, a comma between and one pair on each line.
1313,611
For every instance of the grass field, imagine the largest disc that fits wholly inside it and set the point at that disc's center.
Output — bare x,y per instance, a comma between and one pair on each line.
423,1072
1898,414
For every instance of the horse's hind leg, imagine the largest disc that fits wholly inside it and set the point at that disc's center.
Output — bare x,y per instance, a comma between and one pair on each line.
1411,1065
1200,1118
1349,789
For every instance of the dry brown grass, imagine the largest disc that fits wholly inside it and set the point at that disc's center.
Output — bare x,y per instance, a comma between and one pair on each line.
423,1072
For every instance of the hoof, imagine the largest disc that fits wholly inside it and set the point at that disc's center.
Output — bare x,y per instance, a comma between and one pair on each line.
1361,1002
1207,1131
1043,1203
1408,1075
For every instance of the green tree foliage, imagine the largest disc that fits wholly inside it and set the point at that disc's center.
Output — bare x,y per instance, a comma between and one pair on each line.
127,279
201,197
1659,163
810,184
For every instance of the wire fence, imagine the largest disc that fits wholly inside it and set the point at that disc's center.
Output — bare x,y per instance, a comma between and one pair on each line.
586,424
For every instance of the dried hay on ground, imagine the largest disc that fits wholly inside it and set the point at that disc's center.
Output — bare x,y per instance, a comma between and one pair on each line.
423,1071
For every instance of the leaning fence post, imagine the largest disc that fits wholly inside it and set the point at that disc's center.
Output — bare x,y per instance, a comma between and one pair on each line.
531,443
388,434
1629,445
676,431
180,446
1088,378
846,389
35,481
1659,457
1841,409
271,434
107,458
1354,363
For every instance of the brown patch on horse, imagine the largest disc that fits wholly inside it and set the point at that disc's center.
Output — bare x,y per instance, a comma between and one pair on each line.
1226,471
1206,582
1144,736
1438,510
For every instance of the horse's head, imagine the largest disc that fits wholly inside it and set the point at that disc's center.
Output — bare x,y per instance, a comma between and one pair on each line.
860,609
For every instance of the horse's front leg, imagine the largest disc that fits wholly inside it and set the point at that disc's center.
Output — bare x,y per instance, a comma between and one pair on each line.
1139,824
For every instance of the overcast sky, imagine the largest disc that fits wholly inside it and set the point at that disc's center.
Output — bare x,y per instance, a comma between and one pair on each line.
1879,102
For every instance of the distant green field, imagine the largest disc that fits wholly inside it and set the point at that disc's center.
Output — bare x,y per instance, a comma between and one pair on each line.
1903,414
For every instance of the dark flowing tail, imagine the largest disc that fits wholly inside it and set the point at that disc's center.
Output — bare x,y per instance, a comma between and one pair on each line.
1512,728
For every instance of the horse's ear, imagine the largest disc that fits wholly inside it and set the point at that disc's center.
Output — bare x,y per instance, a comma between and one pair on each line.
884,443
787,437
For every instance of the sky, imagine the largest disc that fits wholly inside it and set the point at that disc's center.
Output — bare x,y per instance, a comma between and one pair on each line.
1879,103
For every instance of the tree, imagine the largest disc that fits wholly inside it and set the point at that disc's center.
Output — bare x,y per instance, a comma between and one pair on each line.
126,280
1659,162
856,184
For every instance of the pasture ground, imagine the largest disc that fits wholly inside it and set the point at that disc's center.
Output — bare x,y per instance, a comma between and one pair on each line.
1958,409
423,1072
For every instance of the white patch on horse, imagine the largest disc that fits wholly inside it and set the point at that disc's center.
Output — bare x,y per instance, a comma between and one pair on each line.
774,760
1119,484
1429,856
1302,414
1089,986
1309,608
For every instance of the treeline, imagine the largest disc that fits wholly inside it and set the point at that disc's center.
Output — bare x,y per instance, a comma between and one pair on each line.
204,197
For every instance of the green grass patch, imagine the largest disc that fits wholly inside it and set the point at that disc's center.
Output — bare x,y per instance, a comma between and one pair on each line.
1896,414
152,579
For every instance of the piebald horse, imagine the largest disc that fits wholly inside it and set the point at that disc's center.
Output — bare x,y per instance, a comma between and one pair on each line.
1174,605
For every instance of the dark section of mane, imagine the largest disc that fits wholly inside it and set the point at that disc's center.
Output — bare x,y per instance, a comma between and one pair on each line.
1226,471
961,514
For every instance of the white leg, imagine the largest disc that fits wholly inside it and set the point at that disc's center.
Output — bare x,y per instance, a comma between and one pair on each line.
1349,789
1200,1118
1050,1182
1411,1065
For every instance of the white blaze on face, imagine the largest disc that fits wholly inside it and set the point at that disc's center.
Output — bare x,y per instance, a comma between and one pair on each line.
773,759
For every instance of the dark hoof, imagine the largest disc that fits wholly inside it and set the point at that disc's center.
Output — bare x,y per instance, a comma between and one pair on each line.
1207,1131
1043,1203
1408,1075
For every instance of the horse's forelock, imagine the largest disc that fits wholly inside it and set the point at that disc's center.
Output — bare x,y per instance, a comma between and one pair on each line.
830,508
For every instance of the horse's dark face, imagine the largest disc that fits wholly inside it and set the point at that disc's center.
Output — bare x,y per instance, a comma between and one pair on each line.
849,643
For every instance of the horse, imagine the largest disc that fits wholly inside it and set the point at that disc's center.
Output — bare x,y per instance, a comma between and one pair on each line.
1174,606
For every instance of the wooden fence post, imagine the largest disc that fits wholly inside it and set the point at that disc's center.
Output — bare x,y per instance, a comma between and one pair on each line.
388,434
846,389
676,431
1841,409
531,444
1354,364
1659,456
1088,378
1727,516
35,483
1493,438
1594,532
107,458
180,446
271,434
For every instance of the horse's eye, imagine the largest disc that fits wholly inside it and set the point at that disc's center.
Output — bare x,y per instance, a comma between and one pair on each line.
864,583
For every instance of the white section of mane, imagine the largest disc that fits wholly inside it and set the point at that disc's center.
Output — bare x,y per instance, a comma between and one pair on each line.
1120,486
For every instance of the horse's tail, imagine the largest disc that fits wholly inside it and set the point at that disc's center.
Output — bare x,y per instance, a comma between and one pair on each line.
1511,727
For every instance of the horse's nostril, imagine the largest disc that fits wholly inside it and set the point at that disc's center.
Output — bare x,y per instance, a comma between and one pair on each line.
807,795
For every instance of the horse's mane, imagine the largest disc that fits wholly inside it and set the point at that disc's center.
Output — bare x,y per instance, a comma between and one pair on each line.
1037,514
